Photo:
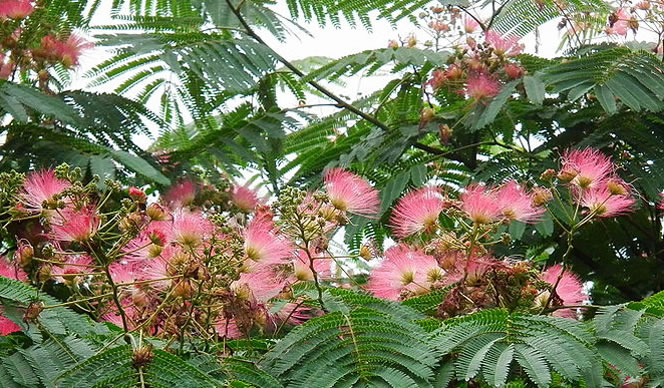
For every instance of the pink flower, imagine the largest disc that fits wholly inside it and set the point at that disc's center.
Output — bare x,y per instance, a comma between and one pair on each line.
470,25
417,212
12,272
190,229
302,267
72,225
660,204
263,283
74,264
403,273
123,272
480,205
263,245
350,193
569,289
621,25
585,168
244,198
40,187
15,9
149,243
180,194
516,204
602,203
513,71
481,86
508,45
70,50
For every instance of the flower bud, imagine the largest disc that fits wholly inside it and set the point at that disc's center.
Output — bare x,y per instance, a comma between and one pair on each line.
33,311
24,253
541,196
137,194
156,212
392,44
142,356
445,134
183,289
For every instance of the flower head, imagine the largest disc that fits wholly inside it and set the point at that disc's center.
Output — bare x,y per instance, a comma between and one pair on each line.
569,289
190,229
263,245
263,283
40,187
302,266
482,86
503,45
470,25
404,272
244,198
516,204
621,22
417,212
585,168
349,192
75,225
181,194
70,50
602,203
15,9
480,205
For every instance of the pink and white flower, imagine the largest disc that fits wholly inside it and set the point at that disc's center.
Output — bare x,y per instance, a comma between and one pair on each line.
75,264
481,86
516,204
181,194
351,193
244,198
15,9
263,245
190,229
75,225
585,168
602,203
569,290
302,266
480,205
503,45
40,187
403,273
417,212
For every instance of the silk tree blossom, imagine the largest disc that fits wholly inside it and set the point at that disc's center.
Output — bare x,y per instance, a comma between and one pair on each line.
73,265
481,86
417,212
480,205
403,273
181,194
585,168
569,290
262,283
39,187
351,193
149,243
601,202
11,272
263,245
470,25
75,225
504,45
70,50
15,9
302,266
190,229
516,204
244,198
622,22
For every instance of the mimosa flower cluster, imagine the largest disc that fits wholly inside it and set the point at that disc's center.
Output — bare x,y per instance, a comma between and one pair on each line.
215,261
22,53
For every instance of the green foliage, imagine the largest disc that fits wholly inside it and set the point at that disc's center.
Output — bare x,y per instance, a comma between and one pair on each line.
356,348
488,343
634,77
